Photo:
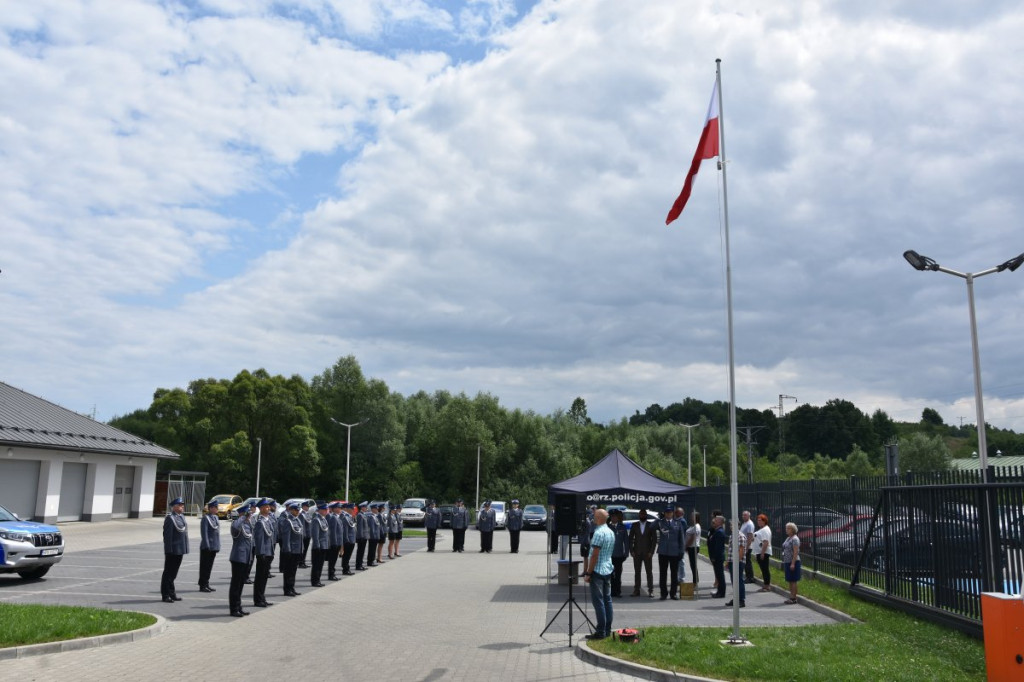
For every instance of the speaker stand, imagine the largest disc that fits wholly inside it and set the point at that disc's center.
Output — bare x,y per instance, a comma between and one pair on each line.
569,600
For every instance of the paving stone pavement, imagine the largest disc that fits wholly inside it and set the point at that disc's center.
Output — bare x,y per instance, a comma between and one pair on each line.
426,616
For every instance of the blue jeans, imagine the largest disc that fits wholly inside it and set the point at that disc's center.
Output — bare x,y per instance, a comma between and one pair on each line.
743,587
601,595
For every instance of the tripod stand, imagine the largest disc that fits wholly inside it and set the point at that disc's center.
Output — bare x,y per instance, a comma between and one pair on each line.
568,600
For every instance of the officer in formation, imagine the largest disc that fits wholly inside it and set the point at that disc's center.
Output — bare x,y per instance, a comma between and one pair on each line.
264,535
374,541
401,528
671,535
382,531
431,521
514,523
209,545
336,533
254,511
485,524
320,542
362,534
175,548
394,523
460,521
290,529
348,525
241,552
620,550
307,518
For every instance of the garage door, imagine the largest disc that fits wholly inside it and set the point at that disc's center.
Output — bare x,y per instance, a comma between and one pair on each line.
19,483
72,491
124,479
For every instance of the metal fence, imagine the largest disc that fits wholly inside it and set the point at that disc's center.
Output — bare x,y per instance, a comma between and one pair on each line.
932,540
190,486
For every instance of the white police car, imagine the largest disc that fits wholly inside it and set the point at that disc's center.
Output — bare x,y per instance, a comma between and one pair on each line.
28,548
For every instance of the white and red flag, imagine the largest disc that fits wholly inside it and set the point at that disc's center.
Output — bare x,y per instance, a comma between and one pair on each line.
707,148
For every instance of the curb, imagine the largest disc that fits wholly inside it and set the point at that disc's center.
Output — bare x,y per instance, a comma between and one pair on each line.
588,655
11,653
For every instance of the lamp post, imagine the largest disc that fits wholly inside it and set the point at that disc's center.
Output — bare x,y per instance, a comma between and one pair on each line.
259,461
705,466
478,476
919,262
689,451
348,446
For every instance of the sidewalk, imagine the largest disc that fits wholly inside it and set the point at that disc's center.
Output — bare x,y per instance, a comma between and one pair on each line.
425,616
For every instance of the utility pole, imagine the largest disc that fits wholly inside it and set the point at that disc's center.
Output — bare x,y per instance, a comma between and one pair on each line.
749,432
782,428
689,450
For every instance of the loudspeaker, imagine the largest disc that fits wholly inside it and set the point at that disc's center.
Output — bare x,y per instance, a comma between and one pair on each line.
565,514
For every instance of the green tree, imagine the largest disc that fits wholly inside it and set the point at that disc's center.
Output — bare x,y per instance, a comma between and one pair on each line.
920,452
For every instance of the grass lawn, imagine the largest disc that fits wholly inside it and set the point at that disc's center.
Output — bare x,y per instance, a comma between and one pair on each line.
886,645
409,533
22,624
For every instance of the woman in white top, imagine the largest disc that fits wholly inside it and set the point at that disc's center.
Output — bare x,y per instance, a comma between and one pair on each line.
693,545
762,550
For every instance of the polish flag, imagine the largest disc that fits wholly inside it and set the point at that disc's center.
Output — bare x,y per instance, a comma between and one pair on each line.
707,148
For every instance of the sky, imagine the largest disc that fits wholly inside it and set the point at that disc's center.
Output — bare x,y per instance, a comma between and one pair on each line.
470,195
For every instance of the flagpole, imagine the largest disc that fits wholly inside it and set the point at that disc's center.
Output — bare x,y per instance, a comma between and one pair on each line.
736,637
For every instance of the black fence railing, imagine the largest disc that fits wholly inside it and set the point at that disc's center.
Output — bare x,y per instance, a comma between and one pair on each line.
934,540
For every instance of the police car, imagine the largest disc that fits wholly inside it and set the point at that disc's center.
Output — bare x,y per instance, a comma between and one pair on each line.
28,548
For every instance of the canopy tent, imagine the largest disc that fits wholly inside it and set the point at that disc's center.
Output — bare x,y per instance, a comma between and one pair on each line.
616,479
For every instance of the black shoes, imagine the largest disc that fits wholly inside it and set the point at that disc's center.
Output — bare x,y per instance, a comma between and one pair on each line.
175,597
664,597
248,581
292,593
742,603
318,585
333,577
347,573
168,600
206,588
263,604
237,614
594,636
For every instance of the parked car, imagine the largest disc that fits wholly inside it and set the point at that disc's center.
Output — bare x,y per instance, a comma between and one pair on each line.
631,516
28,548
446,511
224,504
413,510
233,514
805,518
535,516
283,507
914,552
500,515
811,537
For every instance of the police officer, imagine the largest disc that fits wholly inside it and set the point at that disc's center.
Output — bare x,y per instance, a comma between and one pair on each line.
393,521
307,518
362,534
241,551
290,531
348,525
254,512
401,527
485,524
431,521
373,541
175,548
209,545
460,521
320,541
670,551
336,534
264,532
382,531
620,550
514,523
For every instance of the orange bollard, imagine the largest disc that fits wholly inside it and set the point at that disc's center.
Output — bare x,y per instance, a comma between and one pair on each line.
1002,617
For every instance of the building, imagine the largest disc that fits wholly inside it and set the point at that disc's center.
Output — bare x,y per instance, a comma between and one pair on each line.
57,465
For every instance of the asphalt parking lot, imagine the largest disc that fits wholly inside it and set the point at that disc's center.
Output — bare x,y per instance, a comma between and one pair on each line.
127,577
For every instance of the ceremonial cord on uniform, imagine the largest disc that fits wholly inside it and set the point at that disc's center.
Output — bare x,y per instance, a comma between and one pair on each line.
184,524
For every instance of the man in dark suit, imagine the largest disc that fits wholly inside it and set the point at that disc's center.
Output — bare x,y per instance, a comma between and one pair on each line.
716,552
643,540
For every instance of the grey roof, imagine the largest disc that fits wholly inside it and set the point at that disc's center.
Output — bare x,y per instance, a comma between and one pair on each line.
974,463
29,421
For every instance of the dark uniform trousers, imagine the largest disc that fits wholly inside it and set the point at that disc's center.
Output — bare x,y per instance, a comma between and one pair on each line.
239,572
749,567
360,552
305,550
670,563
289,566
316,570
332,559
206,558
513,538
719,567
458,539
172,562
259,584
692,553
617,562
346,557
431,538
373,542
487,540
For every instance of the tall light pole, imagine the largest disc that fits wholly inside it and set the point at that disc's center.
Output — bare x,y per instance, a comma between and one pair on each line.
259,461
689,451
919,262
705,466
478,476
348,446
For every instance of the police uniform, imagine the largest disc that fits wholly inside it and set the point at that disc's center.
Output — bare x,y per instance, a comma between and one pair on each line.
460,521
485,524
401,527
264,533
336,536
620,550
209,545
362,535
307,518
374,540
348,526
393,533
670,551
320,542
514,523
382,531
431,521
175,548
290,531
241,554
253,513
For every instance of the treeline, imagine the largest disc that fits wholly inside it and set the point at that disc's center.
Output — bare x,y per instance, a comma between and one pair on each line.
428,443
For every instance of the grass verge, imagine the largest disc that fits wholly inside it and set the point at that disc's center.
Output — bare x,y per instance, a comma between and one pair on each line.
886,645
22,624
409,533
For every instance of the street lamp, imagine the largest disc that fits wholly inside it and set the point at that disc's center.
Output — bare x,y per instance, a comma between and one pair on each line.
919,262
259,460
348,446
689,451
478,476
